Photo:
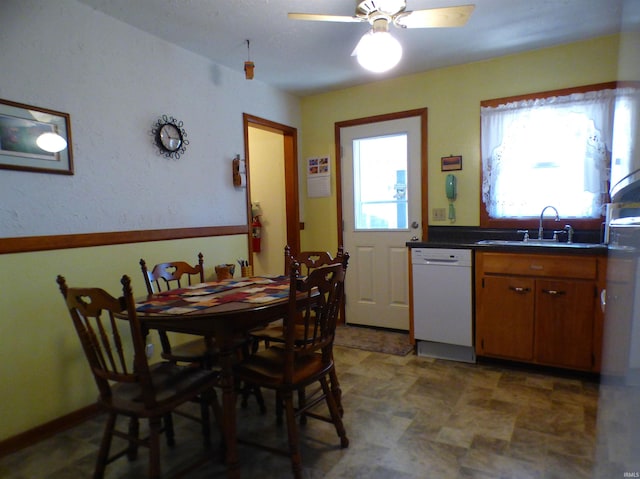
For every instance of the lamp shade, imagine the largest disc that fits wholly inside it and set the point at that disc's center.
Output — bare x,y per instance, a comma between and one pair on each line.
51,142
378,51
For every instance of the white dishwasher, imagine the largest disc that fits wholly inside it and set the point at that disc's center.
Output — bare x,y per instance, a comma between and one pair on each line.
442,303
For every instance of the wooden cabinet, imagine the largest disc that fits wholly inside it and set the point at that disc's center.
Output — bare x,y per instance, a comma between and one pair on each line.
564,318
539,308
504,322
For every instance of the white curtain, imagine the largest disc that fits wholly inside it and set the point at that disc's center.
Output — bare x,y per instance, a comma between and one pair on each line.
626,131
548,151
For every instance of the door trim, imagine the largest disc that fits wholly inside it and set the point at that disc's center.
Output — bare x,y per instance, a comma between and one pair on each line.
420,112
290,136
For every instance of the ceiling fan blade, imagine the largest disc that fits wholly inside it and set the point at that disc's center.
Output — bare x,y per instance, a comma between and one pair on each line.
325,18
435,17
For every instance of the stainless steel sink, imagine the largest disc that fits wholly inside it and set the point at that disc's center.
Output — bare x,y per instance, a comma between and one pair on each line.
540,244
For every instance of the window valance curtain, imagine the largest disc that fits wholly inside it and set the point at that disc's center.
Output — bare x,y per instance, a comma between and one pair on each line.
528,141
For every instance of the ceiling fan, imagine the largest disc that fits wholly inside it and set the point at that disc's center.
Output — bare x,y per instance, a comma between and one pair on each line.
378,44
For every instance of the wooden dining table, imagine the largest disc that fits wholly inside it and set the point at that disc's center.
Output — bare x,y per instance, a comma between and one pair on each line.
227,310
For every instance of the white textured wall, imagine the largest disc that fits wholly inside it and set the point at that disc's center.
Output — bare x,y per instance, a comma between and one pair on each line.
115,82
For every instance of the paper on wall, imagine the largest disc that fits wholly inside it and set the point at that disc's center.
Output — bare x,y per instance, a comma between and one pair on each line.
318,177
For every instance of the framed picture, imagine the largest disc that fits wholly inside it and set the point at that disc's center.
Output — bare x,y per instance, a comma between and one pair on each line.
450,163
21,130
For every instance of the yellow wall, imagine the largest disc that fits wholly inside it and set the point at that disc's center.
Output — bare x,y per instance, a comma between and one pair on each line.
43,370
266,153
452,96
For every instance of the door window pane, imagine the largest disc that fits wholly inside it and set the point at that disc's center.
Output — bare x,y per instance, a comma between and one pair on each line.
380,183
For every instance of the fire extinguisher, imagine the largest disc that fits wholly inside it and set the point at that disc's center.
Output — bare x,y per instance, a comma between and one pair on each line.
256,233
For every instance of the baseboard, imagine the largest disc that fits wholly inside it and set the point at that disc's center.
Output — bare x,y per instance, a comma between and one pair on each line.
539,368
44,431
452,352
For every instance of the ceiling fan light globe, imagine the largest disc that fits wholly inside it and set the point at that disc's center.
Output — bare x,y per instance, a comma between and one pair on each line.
379,52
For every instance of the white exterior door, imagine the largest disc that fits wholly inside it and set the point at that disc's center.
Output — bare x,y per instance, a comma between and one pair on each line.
381,205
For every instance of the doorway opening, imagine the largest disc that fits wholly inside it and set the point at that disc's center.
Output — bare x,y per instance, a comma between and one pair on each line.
282,151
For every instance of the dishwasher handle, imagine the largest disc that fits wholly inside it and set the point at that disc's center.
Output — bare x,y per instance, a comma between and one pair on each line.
441,260
441,257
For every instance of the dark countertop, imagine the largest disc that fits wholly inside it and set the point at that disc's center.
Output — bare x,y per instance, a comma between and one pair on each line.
440,244
599,250
507,241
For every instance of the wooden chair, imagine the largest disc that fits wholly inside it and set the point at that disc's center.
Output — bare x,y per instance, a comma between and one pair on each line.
201,351
108,327
175,274
297,363
308,261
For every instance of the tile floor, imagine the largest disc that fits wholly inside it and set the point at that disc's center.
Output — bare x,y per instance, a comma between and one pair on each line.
406,417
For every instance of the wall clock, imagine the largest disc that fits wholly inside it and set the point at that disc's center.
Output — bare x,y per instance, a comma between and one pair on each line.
170,137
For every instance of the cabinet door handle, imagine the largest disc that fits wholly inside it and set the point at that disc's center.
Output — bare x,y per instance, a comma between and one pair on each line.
553,291
519,289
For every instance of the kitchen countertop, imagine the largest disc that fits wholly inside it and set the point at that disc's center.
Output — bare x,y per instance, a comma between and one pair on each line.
511,247
517,247
508,240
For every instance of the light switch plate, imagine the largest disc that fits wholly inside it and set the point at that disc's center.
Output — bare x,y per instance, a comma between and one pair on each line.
439,214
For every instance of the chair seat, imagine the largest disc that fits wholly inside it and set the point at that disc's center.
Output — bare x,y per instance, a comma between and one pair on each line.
171,383
265,368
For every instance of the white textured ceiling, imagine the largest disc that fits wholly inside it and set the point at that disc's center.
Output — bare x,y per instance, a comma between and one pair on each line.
305,57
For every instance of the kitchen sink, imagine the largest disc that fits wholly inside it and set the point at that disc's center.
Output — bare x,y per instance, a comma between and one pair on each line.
540,244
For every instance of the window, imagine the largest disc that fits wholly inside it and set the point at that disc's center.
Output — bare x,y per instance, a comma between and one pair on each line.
380,182
626,126
552,148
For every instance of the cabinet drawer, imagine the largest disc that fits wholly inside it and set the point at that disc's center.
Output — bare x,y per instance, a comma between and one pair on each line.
578,267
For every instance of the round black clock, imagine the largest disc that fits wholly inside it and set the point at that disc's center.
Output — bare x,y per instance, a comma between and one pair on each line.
170,137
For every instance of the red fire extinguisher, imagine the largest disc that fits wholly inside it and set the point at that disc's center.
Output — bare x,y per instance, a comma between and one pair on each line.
256,233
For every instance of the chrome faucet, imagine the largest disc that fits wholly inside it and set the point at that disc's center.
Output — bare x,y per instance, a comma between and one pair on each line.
540,230
569,229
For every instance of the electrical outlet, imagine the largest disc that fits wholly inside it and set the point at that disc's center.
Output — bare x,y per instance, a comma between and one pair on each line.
439,214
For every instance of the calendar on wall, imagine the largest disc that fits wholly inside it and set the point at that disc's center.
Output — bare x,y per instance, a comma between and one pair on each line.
318,177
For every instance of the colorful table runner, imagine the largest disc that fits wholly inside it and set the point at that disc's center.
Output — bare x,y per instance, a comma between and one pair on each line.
257,289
